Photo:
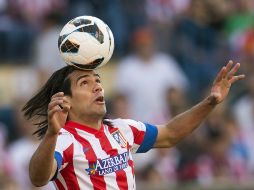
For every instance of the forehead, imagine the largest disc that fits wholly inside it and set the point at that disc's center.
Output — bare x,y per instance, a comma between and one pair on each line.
75,75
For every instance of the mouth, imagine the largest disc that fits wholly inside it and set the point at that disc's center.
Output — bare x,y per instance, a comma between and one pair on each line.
100,100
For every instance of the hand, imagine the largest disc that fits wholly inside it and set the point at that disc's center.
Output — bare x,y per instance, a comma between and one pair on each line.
58,109
223,81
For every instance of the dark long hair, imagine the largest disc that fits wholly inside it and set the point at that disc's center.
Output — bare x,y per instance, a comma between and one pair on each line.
36,108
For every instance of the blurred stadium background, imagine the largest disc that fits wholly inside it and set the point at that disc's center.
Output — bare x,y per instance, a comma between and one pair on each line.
193,37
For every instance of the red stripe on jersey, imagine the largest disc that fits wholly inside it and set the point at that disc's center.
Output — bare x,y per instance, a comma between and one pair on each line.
112,129
97,181
68,173
121,178
138,135
59,184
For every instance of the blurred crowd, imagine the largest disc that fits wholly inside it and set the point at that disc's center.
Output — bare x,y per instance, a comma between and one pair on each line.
167,53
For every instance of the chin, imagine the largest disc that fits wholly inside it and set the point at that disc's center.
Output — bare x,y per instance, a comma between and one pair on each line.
102,113
99,112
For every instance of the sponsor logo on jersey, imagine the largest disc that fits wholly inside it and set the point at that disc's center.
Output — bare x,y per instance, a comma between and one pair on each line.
109,165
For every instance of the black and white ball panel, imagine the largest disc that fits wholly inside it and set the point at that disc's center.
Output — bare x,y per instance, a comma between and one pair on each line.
86,42
90,66
80,21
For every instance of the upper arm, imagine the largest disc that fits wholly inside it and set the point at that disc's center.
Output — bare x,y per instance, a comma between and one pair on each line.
149,138
163,138
61,155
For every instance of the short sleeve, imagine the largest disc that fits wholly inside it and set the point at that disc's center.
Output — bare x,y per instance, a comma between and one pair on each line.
144,136
63,144
149,139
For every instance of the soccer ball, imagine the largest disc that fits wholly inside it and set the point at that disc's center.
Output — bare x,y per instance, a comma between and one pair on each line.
86,42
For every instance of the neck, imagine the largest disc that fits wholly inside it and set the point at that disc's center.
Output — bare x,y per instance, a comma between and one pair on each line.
90,122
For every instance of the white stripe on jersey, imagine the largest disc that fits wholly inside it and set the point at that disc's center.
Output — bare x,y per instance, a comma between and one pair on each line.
113,142
130,178
100,153
128,170
65,140
81,162
61,179
111,182
55,186
124,128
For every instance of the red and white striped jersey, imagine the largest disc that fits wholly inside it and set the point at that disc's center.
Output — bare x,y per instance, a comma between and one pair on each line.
90,159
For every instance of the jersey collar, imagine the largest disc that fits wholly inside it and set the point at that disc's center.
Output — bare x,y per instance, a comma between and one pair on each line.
70,125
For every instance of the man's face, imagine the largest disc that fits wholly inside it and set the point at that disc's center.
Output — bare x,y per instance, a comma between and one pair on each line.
87,100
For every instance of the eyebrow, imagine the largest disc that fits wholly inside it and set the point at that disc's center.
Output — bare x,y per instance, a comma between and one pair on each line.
84,76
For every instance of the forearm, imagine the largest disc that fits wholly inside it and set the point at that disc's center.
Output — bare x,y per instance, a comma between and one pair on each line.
42,161
183,124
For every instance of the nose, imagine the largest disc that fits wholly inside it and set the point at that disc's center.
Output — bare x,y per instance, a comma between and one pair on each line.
97,88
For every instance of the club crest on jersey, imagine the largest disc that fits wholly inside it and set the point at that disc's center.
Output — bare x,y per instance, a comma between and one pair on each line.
117,135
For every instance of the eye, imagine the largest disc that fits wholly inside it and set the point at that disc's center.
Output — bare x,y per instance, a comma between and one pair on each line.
84,82
98,80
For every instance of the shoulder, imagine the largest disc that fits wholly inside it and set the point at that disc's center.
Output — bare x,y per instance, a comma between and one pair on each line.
127,124
64,133
65,139
122,122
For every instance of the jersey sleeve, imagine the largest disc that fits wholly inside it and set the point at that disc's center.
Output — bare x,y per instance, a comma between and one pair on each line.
144,136
63,146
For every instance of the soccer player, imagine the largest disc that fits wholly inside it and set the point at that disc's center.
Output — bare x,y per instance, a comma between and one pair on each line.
81,150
